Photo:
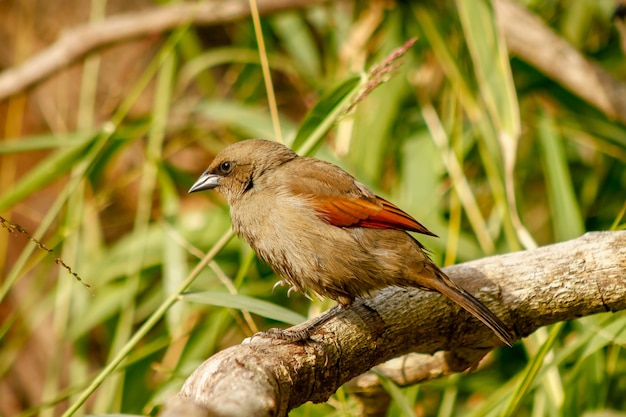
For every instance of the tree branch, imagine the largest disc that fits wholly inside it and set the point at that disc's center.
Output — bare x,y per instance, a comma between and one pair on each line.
526,289
77,42
526,36
410,369
529,38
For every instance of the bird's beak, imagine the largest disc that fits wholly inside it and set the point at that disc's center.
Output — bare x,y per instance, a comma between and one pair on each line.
206,181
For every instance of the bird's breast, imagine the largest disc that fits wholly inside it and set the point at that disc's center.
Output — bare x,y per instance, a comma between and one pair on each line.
308,252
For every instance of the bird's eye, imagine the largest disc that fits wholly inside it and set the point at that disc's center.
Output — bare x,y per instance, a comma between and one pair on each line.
225,167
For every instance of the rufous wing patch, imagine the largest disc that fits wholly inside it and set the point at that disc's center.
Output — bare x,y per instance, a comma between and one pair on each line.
376,213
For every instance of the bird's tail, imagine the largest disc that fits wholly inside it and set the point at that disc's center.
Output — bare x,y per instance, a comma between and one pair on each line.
457,294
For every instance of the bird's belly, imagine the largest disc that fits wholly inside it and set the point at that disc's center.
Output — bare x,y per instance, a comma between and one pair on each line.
331,261
327,263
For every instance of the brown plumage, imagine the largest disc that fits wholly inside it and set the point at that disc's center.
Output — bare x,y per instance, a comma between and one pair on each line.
322,230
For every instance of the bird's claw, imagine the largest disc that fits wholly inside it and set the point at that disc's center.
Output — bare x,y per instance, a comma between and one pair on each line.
280,284
291,289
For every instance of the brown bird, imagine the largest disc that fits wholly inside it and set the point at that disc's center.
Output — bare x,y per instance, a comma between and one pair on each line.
322,230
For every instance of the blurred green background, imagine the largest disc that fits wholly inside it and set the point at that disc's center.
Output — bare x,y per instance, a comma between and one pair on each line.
96,163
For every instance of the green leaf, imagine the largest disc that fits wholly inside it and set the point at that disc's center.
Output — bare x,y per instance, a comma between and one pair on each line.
491,64
566,216
108,302
299,42
243,302
396,394
613,333
35,143
448,59
251,121
52,168
531,372
199,66
324,114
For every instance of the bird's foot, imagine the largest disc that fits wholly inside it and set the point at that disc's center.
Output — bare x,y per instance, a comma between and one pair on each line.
301,331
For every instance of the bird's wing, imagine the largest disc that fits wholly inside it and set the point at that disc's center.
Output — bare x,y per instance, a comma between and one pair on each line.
344,202
376,213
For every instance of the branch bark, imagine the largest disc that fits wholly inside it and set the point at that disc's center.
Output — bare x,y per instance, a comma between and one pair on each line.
529,38
79,41
526,289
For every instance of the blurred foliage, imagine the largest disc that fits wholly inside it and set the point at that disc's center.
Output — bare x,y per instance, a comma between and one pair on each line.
101,177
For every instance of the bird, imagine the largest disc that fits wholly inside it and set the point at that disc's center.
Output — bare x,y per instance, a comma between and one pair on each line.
322,230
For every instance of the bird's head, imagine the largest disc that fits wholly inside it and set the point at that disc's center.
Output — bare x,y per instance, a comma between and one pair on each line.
236,168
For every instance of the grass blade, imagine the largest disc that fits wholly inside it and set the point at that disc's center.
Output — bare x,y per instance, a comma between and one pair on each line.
245,303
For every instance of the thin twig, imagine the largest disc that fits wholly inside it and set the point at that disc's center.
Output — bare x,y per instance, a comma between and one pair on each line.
16,228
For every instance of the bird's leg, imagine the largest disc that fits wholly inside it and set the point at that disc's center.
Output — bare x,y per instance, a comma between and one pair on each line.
301,331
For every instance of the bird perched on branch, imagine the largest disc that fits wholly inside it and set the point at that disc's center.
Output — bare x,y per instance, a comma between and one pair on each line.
322,230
